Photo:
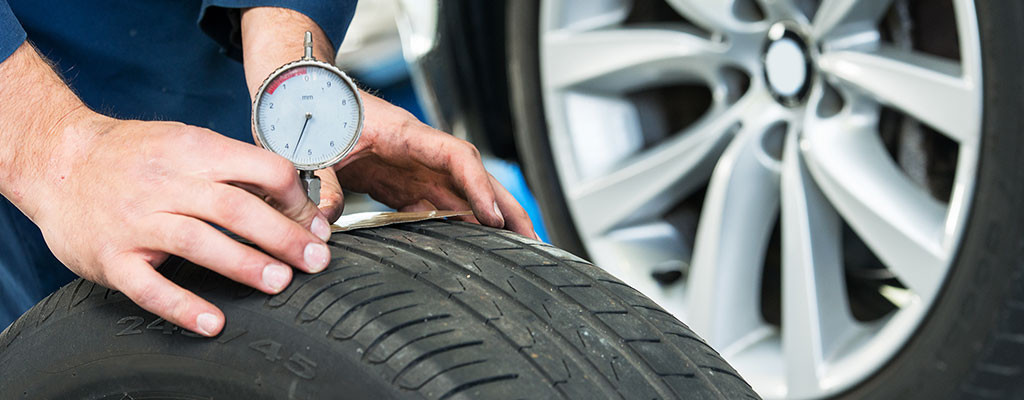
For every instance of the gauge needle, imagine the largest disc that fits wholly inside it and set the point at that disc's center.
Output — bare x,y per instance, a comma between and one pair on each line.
308,117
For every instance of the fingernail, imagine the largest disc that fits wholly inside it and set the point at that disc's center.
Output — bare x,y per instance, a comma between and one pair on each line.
536,235
208,323
321,229
316,256
276,276
498,211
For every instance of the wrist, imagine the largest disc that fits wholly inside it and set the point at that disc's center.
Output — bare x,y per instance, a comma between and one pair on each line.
272,37
47,161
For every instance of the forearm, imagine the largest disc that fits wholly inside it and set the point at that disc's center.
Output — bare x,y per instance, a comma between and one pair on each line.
36,106
272,37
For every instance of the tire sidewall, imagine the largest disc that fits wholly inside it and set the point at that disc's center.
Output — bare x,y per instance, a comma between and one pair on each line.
531,135
118,347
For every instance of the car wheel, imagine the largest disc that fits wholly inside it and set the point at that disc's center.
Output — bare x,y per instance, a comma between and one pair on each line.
827,191
431,310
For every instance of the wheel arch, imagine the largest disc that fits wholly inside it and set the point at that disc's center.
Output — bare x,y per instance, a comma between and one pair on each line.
461,79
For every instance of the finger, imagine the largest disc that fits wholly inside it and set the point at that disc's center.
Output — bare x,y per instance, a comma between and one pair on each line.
449,155
214,250
153,292
449,201
422,205
270,175
516,218
332,198
266,174
248,216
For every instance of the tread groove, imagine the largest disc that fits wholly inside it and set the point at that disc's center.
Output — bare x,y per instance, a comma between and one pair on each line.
406,344
432,353
721,371
74,294
364,303
446,370
305,318
469,385
391,331
382,314
319,291
281,299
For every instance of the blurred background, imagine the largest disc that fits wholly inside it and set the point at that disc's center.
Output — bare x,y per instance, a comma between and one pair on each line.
372,55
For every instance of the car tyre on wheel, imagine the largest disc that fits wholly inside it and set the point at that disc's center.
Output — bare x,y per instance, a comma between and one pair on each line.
430,310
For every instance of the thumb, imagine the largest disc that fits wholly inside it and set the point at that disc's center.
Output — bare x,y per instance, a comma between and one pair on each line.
332,198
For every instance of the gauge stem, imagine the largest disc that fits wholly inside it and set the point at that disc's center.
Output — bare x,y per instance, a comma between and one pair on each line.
309,46
311,183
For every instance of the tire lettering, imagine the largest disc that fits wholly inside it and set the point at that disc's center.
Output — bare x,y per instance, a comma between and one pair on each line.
162,325
133,323
298,364
301,366
227,337
271,350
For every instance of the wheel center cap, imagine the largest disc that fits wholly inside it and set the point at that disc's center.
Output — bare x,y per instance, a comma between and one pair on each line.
787,65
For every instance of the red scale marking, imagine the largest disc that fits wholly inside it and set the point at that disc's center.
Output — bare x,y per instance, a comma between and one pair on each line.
284,77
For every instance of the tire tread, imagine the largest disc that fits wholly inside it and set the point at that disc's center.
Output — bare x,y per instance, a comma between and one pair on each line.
446,310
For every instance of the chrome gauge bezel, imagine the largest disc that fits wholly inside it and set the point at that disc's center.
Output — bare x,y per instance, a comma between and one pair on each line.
261,140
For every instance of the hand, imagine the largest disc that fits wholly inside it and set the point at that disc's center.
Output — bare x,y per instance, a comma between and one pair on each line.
131,193
411,167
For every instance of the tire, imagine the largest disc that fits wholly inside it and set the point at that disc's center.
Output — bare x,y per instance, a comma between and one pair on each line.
971,341
432,310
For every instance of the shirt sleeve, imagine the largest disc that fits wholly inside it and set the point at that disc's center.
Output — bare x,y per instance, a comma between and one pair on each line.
221,20
12,35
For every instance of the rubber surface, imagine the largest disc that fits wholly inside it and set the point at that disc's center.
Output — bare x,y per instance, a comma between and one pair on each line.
522,23
432,310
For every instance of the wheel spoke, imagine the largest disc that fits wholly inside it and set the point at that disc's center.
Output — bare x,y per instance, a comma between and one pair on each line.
618,60
739,212
782,10
815,310
655,180
714,15
926,87
580,15
899,221
835,13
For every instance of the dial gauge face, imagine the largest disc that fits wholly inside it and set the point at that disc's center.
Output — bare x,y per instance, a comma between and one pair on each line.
309,114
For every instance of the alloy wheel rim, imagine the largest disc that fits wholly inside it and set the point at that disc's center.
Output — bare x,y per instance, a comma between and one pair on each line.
805,164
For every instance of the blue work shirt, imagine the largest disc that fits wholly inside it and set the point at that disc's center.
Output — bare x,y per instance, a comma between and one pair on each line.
153,60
